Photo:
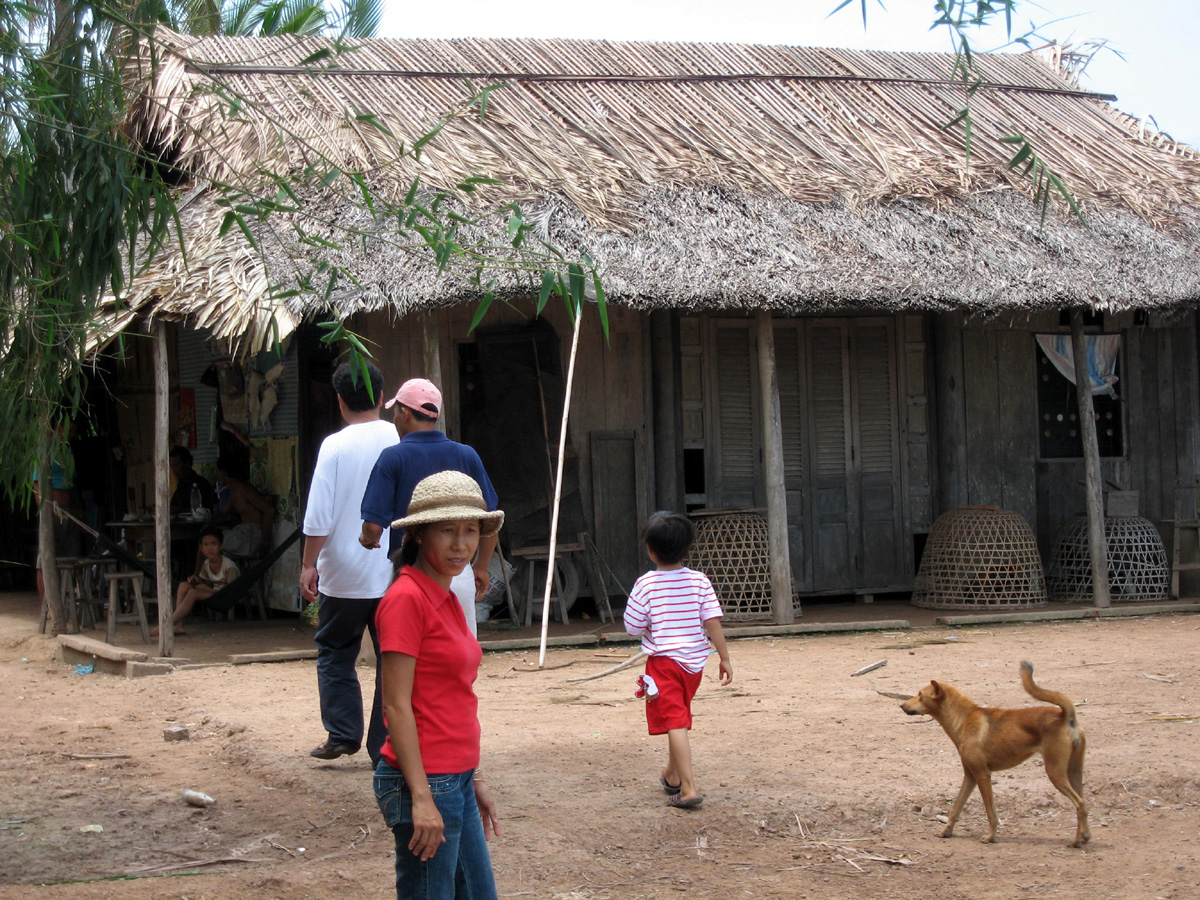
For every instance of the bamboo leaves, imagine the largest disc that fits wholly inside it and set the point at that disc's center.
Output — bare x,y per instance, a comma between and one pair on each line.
960,18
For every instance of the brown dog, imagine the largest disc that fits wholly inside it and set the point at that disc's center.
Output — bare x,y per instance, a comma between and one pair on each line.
989,740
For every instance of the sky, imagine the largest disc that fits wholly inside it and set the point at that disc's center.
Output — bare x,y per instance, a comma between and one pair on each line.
1157,73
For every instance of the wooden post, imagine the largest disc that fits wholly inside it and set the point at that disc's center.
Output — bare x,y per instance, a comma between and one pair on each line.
777,527
431,355
1097,544
162,493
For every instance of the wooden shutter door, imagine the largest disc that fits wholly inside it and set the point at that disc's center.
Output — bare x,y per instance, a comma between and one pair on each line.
876,465
734,439
833,515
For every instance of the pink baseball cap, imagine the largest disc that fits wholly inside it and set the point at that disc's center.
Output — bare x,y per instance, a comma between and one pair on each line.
419,395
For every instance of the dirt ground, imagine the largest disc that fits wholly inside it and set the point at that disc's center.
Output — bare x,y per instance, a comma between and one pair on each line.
817,785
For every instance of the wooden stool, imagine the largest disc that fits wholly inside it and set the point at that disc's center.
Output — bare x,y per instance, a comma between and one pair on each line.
89,583
534,555
68,589
133,586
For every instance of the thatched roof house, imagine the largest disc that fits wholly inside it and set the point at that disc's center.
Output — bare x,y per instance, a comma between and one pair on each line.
698,176
818,189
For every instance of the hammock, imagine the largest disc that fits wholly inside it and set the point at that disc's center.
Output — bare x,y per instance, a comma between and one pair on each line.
224,599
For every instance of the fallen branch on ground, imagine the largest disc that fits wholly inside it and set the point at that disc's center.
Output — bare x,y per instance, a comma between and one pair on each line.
196,864
610,671
98,755
871,668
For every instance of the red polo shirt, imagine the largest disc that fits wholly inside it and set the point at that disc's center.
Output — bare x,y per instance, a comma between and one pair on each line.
420,619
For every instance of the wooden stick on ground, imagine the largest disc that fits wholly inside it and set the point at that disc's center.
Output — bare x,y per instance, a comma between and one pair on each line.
611,670
871,668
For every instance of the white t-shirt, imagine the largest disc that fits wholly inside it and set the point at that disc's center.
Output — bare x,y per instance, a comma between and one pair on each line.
669,609
216,580
344,567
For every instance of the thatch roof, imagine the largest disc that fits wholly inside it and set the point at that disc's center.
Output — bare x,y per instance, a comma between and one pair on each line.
696,175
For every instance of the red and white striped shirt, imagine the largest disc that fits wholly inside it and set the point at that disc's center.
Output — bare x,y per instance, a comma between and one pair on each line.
669,609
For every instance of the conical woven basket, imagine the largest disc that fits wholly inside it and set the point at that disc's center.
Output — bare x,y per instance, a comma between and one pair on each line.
733,550
1137,562
980,557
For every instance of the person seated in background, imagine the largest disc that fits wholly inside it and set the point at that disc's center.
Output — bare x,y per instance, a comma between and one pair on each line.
180,461
214,572
249,514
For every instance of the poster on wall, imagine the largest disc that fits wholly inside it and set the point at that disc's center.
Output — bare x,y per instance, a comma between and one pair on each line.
187,418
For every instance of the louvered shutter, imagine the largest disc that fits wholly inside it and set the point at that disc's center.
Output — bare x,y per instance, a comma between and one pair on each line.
735,439
829,409
878,452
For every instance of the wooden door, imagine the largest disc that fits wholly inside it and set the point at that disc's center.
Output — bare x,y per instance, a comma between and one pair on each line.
833,516
842,460
734,480
841,445
875,453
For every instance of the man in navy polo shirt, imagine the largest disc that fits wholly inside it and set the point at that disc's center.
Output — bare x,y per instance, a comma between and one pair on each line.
423,451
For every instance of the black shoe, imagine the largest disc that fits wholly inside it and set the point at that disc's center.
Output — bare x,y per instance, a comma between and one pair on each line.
332,750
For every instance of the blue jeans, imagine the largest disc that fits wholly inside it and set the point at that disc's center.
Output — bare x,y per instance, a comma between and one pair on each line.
461,869
340,626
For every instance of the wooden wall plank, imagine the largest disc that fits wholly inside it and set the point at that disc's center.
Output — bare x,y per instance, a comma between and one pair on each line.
1187,400
949,406
1162,503
1016,415
984,486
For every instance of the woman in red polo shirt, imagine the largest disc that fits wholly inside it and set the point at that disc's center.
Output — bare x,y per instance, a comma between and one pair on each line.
441,815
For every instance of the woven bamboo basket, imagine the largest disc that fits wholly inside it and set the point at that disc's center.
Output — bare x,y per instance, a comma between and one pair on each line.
980,557
1137,562
733,550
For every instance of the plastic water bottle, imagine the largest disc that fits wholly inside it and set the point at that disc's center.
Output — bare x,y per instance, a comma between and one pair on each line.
197,503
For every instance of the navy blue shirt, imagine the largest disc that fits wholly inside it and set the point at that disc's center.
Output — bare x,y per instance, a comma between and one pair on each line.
399,468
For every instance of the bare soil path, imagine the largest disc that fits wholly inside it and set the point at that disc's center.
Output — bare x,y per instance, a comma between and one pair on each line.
817,785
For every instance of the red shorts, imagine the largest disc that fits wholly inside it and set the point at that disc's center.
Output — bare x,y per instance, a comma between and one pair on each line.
672,708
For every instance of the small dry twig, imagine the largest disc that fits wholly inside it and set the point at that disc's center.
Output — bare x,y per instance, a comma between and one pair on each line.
543,668
98,755
1167,679
197,863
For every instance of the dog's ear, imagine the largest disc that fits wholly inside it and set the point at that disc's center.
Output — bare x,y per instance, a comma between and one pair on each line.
936,691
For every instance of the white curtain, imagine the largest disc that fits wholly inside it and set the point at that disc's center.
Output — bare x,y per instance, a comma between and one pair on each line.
1102,352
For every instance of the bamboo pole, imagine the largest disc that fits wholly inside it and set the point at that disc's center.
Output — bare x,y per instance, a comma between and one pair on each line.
558,479
1097,544
777,530
162,494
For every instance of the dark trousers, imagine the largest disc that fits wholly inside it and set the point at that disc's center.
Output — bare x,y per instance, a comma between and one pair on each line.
340,626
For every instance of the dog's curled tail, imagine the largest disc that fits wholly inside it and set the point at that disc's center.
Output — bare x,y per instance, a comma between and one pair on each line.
1046,696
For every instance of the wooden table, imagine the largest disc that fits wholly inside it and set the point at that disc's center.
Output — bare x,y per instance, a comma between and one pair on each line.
138,536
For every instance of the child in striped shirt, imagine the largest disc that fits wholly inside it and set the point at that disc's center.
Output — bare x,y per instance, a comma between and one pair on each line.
676,612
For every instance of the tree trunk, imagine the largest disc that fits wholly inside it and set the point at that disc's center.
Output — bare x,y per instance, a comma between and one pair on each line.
60,623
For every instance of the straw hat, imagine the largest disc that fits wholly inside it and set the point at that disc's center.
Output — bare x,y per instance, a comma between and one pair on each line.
450,496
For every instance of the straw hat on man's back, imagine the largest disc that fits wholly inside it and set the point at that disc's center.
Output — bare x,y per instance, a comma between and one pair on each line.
450,496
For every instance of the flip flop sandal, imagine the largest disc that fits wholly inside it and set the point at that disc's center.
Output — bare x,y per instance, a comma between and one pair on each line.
667,786
676,802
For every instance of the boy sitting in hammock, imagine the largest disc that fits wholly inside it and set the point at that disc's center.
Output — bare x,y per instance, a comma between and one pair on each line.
214,572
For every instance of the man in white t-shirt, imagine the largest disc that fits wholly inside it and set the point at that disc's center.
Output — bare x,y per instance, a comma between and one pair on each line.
344,578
